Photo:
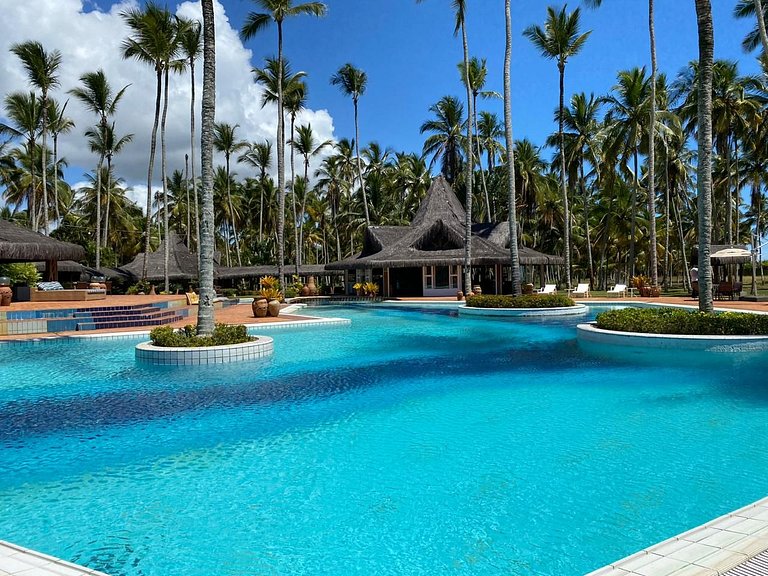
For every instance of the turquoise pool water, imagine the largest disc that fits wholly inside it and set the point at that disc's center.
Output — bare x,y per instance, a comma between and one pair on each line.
409,443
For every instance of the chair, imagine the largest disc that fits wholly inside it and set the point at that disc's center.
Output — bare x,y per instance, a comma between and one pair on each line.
581,290
547,289
192,298
618,290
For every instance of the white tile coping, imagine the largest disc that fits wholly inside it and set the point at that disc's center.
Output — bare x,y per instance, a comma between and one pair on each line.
707,550
513,312
262,347
591,333
19,561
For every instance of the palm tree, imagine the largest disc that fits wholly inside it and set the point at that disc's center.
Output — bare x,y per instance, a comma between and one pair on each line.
511,200
58,124
445,142
190,44
24,111
96,94
559,40
747,9
205,309
276,11
352,82
704,170
259,156
154,42
224,140
294,98
42,68
459,7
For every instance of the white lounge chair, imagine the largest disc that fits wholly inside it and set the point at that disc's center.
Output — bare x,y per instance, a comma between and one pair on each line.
618,290
581,290
548,289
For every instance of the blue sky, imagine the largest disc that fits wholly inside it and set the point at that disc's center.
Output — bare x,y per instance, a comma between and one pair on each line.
410,54
407,49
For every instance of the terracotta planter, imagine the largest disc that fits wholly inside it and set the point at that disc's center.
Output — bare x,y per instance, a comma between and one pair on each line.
6,295
477,289
274,308
259,307
312,286
305,290
459,295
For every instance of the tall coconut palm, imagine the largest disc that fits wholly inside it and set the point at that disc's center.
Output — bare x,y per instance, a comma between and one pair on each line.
42,68
460,12
445,142
224,140
756,8
97,96
58,124
153,42
476,75
704,170
511,200
259,156
191,46
558,40
294,100
205,309
24,111
277,11
352,82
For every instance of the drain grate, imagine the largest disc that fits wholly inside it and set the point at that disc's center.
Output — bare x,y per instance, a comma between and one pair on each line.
755,566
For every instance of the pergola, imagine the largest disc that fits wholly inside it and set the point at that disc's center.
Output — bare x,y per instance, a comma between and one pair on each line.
19,244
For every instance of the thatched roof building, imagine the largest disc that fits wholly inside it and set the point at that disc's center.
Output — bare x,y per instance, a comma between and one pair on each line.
182,264
19,244
239,272
435,240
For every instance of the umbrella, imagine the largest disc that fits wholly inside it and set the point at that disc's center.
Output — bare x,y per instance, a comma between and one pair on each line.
731,256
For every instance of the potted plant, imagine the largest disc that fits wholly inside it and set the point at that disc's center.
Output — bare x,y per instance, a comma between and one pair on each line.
23,277
269,293
358,287
370,289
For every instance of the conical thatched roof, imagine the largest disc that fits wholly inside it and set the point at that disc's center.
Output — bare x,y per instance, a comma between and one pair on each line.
19,244
234,272
182,264
436,238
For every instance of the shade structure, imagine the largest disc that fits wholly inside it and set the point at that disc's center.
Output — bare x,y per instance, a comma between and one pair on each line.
19,244
237,272
182,264
731,256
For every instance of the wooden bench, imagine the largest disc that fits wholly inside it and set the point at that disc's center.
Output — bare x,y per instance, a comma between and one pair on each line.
73,295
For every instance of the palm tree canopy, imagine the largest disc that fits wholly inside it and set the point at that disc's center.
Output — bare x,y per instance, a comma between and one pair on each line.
224,138
459,8
190,38
40,65
154,39
277,11
267,77
746,9
351,80
96,94
560,38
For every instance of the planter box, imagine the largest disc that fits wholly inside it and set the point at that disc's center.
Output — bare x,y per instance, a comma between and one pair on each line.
168,356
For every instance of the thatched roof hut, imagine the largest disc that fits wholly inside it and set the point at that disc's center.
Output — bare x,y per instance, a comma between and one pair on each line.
182,264
19,244
238,272
436,238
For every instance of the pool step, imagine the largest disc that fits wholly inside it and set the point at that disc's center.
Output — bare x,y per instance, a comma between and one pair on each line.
151,317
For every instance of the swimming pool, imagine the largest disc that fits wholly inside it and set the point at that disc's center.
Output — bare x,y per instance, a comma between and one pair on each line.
412,442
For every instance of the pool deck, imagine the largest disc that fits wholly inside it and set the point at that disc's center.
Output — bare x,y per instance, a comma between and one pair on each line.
735,544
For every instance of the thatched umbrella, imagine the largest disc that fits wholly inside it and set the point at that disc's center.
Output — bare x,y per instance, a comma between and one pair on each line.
182,264
19,244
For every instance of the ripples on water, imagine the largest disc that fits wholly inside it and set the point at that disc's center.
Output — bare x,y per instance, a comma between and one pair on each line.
408,443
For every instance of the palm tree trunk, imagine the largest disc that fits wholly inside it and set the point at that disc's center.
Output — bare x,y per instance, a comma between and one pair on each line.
704,176
44,159
304,205
280,159
488,215
205,309
468,168
261,206
98,209
564,190
31,200
107,188
686,277
651,154
232,216
189,206
167,251
667,269
586,225
297,257
514,256
633,223
192,153
56,177
150,170
360,166
761,26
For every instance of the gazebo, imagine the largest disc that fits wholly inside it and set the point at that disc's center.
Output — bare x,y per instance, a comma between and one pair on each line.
19,244
426,257
182,264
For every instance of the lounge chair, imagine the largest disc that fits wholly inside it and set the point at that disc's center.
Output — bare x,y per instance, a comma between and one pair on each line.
581,290
547,289
618,290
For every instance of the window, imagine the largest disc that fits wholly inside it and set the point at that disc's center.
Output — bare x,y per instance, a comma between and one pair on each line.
441,277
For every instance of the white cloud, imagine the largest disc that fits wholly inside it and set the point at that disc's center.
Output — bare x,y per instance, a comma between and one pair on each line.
91,40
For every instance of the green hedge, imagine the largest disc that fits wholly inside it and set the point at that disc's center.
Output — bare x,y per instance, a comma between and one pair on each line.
527,301
685,322
187,337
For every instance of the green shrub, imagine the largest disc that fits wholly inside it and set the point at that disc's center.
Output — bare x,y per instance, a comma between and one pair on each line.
526,301
685,322
187,337
21,273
